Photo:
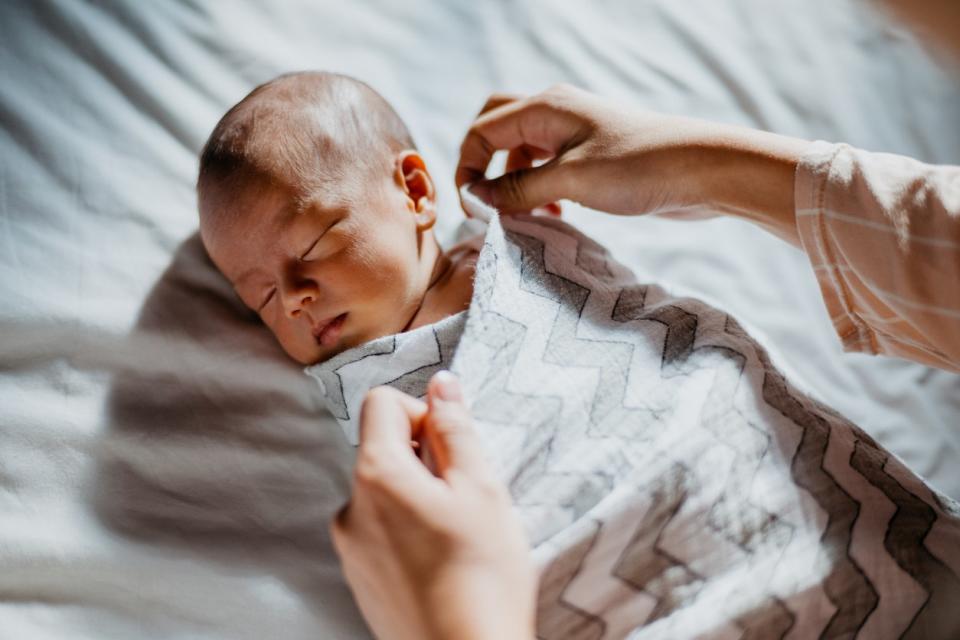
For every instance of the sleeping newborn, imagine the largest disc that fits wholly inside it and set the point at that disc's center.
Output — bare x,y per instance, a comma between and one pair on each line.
317,207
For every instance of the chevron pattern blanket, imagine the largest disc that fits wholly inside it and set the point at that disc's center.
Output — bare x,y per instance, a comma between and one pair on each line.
672,482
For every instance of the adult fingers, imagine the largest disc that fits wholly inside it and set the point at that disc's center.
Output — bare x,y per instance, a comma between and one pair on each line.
480,157
389,418
389,485
523,190
498,100
524,156
387,466
540,121
449,429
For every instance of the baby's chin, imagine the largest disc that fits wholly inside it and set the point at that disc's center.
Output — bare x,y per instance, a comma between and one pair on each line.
322,355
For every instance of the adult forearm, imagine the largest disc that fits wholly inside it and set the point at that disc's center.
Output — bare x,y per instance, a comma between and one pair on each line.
749,174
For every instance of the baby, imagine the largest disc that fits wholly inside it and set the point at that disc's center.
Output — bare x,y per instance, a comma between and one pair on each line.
317,207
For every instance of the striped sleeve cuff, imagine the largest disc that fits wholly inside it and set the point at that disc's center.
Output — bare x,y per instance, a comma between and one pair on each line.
811,190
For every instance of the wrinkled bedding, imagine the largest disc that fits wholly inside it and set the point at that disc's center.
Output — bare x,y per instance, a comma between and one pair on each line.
165,472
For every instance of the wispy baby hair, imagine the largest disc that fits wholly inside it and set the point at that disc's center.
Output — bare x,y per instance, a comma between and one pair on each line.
304,131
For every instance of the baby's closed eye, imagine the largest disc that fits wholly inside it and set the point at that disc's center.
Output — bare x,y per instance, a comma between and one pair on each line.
267,299
313,252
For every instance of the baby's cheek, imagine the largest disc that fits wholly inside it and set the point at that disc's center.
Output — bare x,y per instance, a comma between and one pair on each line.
377,281
380,270
293,343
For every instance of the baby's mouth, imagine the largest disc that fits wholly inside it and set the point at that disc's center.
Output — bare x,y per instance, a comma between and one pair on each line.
327,332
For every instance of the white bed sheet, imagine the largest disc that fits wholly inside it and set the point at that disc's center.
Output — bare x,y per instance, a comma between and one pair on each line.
149,487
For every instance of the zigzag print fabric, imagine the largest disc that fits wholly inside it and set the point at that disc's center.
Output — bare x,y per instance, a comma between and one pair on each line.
672,482
405,361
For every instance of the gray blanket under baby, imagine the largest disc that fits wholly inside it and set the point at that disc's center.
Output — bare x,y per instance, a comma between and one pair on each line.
672,482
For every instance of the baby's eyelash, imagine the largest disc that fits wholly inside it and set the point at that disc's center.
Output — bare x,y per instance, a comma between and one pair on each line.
320,237
307,252
267,299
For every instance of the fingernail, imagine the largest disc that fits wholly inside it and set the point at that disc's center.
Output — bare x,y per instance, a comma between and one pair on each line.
447,386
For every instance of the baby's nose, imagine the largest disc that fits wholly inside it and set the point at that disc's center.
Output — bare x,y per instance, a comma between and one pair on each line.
296,296
297,292
299,302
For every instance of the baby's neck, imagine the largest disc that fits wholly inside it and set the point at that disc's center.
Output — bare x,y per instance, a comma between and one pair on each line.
451,285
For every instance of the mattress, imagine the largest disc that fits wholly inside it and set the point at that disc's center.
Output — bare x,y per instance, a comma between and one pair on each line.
165,472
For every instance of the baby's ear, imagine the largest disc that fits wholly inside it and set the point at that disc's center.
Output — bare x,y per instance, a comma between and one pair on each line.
416,182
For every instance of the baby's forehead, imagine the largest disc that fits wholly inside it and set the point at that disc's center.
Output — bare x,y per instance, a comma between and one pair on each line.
248,212
260,205
263,203
276,209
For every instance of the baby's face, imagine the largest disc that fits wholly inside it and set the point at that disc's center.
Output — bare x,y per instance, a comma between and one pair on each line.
340,272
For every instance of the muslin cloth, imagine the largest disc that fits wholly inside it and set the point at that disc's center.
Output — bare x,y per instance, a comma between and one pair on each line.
672,482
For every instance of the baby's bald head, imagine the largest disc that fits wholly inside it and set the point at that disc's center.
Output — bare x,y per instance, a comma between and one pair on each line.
304,132
316,207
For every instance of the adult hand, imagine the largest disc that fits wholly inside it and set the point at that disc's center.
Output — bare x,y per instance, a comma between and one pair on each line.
432,556
626,160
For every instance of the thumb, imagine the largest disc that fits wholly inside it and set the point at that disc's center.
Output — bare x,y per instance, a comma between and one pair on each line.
449,428
521,190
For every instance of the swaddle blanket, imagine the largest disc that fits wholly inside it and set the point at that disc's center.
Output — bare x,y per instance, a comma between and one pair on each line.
672,482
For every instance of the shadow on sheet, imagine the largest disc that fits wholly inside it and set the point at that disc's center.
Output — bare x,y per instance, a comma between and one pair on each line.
217,445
